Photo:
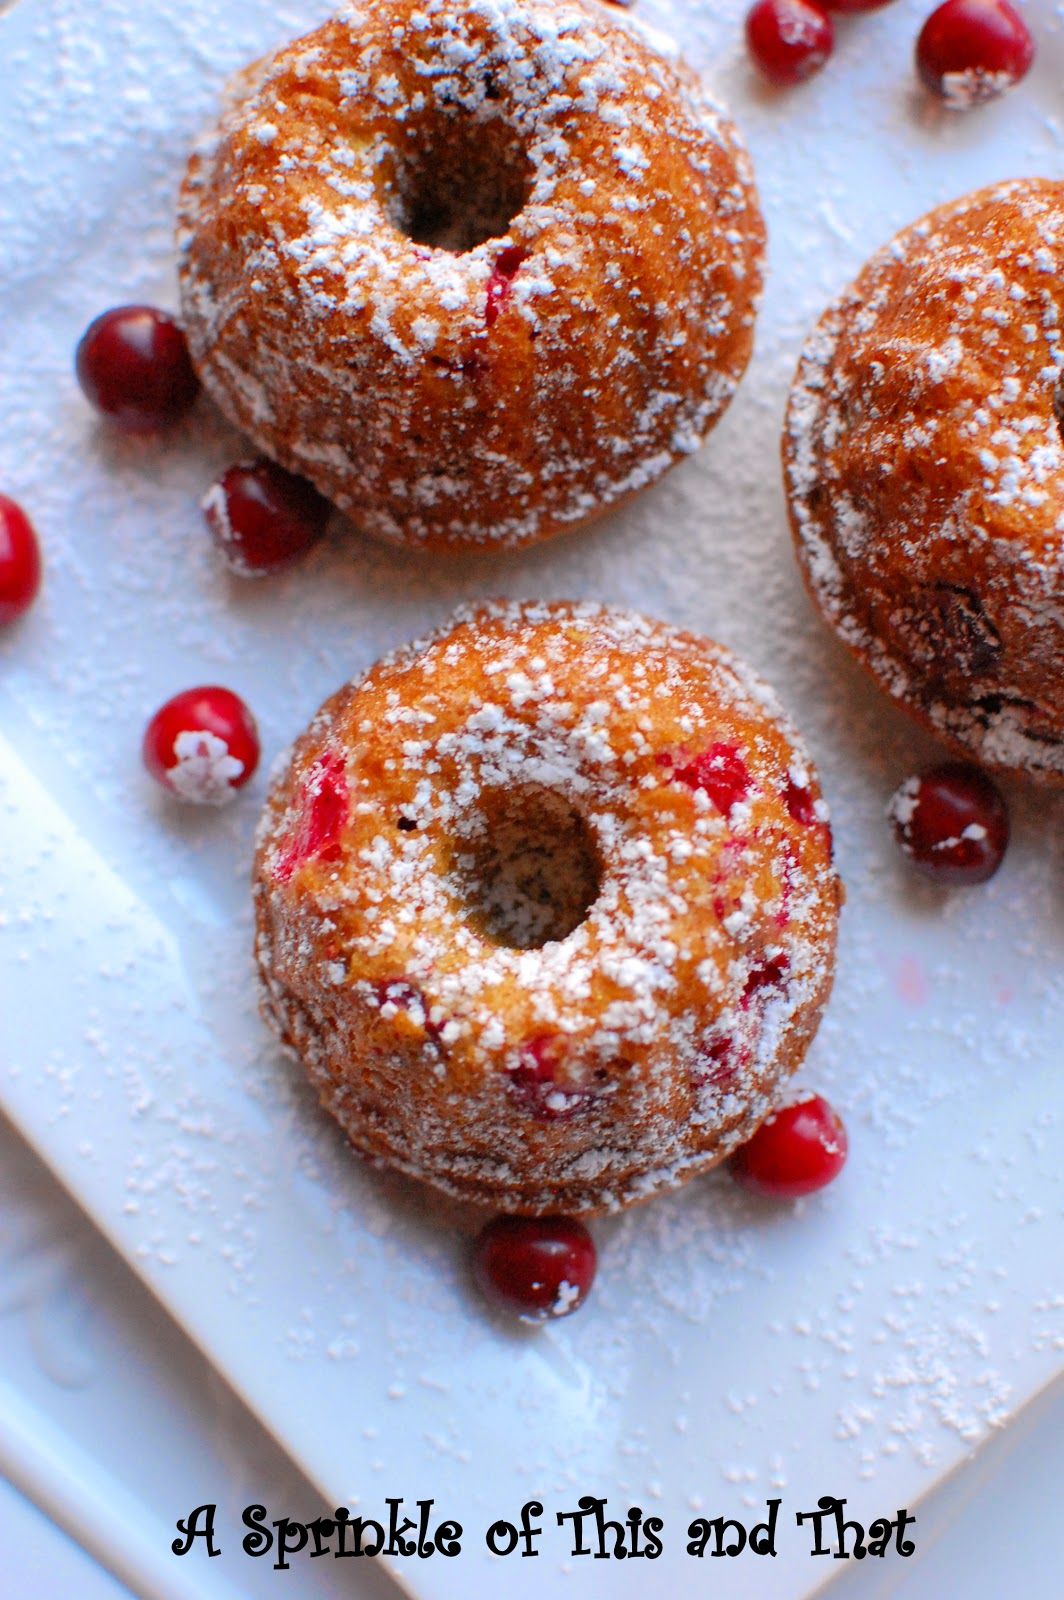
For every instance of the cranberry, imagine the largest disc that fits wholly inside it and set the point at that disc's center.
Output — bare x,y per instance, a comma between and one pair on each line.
538,1267
323,807
970,51
852,7
133,365
20,561
789,39
717,1064
721,773
767,973
798,1149
262,517
952,823
503,273
534,1080
398,996
799,801
202,745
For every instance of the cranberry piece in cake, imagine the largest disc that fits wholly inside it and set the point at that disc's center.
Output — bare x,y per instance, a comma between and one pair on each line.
789,40
20,561
719,772
133,365
952,823
323,810
537,1267
535,1080
500,284
970,51
262,517
798,1149
202,745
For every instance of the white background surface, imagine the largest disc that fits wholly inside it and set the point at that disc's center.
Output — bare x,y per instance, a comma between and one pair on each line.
864,1340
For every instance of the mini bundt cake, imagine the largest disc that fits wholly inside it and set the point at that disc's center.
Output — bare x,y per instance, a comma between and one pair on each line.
478,269
925,467
546,907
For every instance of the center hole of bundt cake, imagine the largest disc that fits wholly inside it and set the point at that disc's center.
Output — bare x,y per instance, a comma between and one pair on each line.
528,869
463,180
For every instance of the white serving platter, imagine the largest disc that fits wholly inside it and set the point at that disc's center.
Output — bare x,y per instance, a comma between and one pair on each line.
858,1344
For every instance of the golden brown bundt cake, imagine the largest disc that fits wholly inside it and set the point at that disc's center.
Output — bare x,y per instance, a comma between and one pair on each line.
546,906
925,466
478,269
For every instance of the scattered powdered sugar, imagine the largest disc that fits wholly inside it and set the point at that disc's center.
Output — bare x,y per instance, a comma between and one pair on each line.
962,90
204,772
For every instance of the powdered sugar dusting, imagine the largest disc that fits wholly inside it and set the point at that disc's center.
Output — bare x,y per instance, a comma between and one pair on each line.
204,772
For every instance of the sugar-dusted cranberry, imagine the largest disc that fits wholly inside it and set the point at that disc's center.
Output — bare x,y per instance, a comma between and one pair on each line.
717,1064
800,802
397,998
789,40
262,517
133,365
202,745
503,273
970,51
768,972
535,1080
952,823
721,773
798,1149
323,810
20,561
538,1267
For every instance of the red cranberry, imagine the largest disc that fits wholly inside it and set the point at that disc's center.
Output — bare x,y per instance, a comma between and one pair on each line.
800,802
323,808
952,823
20,561
721,773
133,365
503,273
789,39
798,1149
400,996
538,1267
262,517
973,50
534,1079
202,745
717,1063
769,972
852,7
